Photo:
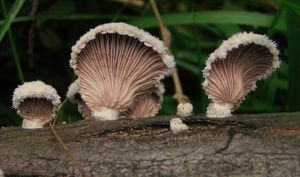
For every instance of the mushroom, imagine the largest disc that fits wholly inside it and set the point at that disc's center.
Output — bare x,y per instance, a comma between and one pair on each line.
147,105
36,103
177,126
116,63
74,96
232,70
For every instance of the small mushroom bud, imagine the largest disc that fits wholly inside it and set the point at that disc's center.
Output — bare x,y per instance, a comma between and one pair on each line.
184,109
74,96
177,126
232,70
147,105
36,103
115,64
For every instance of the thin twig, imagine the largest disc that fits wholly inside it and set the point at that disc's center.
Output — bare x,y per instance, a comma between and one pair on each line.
68,152
166,36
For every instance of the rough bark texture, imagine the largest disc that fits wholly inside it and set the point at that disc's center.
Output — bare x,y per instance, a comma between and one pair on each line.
243,145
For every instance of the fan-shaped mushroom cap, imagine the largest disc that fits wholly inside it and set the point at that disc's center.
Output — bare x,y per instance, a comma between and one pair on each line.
36,103
74,96
115,64
147,105
232,70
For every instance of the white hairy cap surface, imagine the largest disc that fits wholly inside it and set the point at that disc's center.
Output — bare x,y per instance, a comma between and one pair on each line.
233,69
73,90
177,126
184,109
35,89
128,30
215,110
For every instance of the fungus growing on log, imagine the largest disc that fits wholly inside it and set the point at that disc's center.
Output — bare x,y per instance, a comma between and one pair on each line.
232,70
36,103
147,105
177,126
184,109
74,96
117,63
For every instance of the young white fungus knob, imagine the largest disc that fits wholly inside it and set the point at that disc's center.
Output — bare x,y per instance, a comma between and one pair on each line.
36,103
116,64
232,70
177,126
184,109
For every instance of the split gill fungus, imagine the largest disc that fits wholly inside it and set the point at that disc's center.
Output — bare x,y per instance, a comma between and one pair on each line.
117,64
36,102
232,70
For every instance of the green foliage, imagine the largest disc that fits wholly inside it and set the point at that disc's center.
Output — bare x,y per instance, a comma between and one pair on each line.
197,28
293,35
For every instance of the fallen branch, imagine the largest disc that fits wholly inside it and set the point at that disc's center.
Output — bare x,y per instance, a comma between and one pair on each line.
254,145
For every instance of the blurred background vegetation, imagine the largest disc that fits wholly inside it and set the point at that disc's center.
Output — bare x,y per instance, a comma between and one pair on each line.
36,39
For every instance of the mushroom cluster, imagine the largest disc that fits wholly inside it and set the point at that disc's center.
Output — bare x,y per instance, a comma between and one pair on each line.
232,70
119,69
36,103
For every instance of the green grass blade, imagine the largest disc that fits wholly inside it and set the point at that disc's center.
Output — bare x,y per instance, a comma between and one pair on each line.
42,18
293,6
18,19
276,19
13,46
212,17
10,17
293,36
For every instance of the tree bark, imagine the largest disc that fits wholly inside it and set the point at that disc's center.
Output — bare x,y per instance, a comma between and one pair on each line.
243,145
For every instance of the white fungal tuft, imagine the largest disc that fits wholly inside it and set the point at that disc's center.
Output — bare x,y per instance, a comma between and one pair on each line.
177,126
184,109
105,114
35,89
123,29
216,110
32,124
73,90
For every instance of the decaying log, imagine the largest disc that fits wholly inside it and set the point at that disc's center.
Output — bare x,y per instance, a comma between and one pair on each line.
243,145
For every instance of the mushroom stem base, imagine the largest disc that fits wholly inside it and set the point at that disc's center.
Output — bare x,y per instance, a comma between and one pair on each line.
105,114
31,124
216,110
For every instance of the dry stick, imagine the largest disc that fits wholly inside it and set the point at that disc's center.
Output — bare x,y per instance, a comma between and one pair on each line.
67,150
166,36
